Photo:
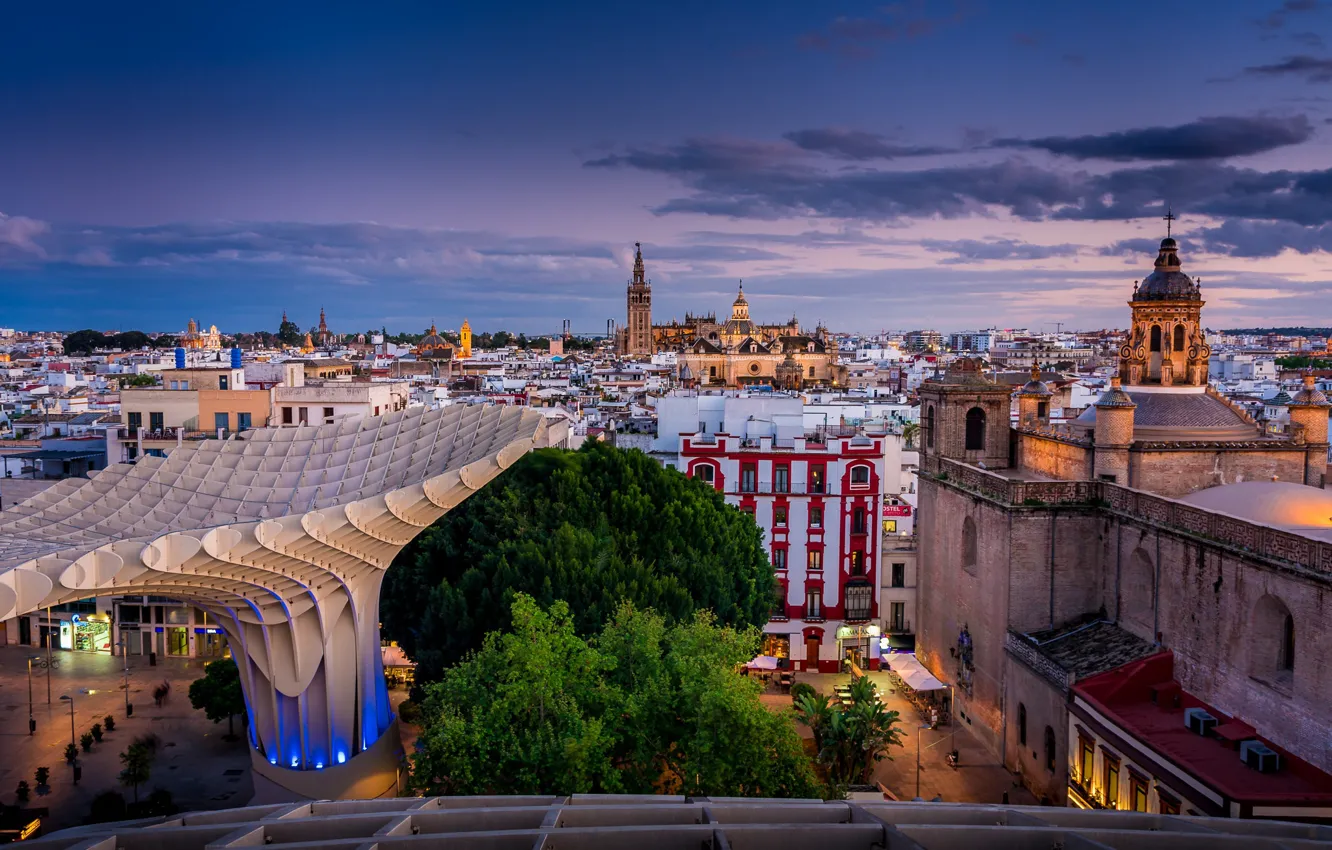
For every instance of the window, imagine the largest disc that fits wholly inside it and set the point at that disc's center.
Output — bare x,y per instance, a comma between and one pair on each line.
814,605
859,476
222,420
969,545
748,510
815,517
1166,803
243,422
748,478
779,559
712,371
929,427
858,521
376,410
1111,781
135,421
815,559
779,516
1288,643
899,575
975,429
857,563
781,480
286,416
816,474
1042,409
705,472
1049,749
859,600
222,382
811,368
328,415
897,617
1179,338
890,526
303,414
1087,761
1022,724
1137,792
1156,346
156,422
1273,643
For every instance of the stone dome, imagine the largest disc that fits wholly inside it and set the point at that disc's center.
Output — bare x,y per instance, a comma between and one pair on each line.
1167,282
1183,414
1281,504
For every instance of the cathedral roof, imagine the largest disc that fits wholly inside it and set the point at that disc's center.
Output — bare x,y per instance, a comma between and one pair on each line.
1035,387
1280,504
1176,417
1167,282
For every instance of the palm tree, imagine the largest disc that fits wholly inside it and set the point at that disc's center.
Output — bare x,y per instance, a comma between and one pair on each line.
910,433
138,762
850,739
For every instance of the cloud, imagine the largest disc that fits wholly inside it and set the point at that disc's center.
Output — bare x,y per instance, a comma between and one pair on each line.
856,144
1278,17
1309,39
1135,248
1265,238
1206,138
861,37
976,251
1314,69
18,235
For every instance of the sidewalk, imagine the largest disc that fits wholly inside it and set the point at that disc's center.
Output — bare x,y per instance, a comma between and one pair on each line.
978,778
194,763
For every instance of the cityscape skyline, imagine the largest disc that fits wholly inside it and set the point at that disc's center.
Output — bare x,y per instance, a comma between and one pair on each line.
418,162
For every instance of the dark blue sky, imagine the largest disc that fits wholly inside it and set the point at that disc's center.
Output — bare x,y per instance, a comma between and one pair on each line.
871,165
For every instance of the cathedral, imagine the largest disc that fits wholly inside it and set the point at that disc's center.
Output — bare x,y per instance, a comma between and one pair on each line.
196,339
1162,527
735,353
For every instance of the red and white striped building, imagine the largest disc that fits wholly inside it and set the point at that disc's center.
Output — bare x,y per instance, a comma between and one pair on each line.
818,499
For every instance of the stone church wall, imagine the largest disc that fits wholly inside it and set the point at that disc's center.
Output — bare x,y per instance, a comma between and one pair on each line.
1054,457
1181,472
1046,706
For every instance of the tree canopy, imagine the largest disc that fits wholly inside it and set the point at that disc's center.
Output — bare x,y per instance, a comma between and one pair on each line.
850,738
642,708
218,693
289,333
593,528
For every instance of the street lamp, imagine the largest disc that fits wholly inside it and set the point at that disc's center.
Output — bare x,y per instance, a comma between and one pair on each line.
64,697
32,723
124,654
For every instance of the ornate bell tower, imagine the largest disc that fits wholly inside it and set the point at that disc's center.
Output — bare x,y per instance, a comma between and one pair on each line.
638,334
1166,345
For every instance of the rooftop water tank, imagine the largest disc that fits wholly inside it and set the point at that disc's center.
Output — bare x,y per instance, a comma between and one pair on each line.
180,358
236,358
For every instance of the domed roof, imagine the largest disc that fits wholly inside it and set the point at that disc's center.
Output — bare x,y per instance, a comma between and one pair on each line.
1167,282
1282,504
1183,415
1035,386
1309,395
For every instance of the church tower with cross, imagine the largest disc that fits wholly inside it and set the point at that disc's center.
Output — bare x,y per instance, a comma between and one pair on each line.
1166,345
638,333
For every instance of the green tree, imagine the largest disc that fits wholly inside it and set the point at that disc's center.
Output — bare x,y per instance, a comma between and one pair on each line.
218,693
850,739
138,381
642,708
592,528
137,767
910,434
164,341
84,342
129,340
289,333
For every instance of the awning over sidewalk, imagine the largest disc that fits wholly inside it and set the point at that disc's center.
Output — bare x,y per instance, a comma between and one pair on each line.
912,672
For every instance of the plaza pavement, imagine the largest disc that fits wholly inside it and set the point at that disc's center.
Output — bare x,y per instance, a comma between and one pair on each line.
978,778
194,763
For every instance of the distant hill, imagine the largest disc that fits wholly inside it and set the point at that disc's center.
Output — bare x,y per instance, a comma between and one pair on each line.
1282,331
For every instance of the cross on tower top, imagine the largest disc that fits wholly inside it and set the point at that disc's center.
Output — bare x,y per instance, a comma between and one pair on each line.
1169,218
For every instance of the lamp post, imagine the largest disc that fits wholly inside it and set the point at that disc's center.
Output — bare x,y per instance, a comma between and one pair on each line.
49,666
63,698
124,654
32,722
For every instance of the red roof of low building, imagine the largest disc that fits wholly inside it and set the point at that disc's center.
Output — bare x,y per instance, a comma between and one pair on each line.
1124,695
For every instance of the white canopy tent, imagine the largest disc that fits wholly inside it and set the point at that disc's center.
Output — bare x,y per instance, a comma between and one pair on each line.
912,672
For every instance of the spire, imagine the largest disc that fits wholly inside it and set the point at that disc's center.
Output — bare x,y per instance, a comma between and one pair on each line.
1168,218
640,277
323,325
1035,371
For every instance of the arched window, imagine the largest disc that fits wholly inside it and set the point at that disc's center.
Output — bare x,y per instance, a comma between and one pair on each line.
1179,338
1049,749
929,427
705,472
969,545
1272,647
1156,337
975,429
1137,595
860,474
1022,724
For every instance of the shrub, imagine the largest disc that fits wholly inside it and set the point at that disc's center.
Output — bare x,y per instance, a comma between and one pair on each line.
147,741
800,689
43,775
409,712
160,802
109,722
22,791
96,732
71,753
86,741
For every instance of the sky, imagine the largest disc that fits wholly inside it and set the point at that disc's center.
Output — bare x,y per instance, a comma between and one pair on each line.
954,164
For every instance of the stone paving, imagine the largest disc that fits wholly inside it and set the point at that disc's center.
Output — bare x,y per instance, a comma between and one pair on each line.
194,763
978,778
